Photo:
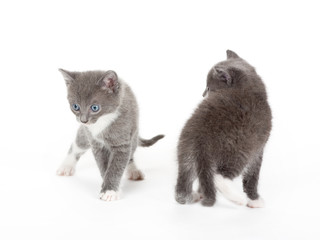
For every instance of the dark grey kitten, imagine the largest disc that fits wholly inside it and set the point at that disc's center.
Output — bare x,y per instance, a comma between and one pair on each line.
108,112
225,136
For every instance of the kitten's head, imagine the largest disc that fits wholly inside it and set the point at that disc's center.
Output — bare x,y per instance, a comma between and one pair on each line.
231,73
92,94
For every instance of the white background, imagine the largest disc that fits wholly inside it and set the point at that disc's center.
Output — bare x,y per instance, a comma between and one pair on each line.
163,50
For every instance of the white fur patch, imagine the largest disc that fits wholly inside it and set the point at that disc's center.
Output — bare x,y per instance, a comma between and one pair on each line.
258,203
228,189
102,123
109,196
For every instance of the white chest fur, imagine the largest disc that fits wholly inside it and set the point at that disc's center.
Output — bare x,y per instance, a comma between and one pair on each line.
102,123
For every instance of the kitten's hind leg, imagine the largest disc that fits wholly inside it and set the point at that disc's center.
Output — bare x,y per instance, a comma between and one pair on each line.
250,183
77,149
133,173
186,177
206,182
184,193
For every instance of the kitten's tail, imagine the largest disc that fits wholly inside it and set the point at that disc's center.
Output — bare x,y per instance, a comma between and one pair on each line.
149,142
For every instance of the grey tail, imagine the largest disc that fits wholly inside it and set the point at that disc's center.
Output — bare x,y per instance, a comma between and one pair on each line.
149,142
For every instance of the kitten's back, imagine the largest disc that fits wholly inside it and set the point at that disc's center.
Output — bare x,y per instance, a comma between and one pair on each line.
232,123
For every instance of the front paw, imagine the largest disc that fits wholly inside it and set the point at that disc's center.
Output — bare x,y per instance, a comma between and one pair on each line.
66,170
109,196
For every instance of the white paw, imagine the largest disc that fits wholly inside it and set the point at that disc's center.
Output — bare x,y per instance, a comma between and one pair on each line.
109,196
239,200
66,170
258,203
135,175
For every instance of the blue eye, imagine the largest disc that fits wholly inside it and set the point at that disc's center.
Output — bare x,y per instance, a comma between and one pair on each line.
76,107
95,108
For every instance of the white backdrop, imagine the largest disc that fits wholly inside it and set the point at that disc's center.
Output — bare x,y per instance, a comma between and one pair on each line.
163,50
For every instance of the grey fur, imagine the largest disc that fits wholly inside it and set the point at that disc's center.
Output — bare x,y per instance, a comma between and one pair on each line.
149,142
114,146
227,132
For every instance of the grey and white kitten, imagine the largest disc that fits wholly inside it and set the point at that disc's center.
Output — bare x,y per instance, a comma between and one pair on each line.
108,112
226,136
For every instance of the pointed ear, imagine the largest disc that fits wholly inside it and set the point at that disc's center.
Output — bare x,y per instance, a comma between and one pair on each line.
68,76
224,76
231,54
110,82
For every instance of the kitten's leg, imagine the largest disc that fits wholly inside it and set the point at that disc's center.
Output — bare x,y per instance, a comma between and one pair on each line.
77,149
111,180
206,180
208,191
184,193
227,187
102,156
250,183
133,172
186,177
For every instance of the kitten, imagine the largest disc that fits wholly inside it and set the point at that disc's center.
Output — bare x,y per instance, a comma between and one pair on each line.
225,136
108,112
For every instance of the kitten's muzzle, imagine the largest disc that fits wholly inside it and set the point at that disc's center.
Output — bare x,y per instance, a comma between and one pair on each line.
84,119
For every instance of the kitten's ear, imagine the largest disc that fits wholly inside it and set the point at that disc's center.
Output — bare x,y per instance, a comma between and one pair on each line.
231,54
110,82
224,76
68,76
